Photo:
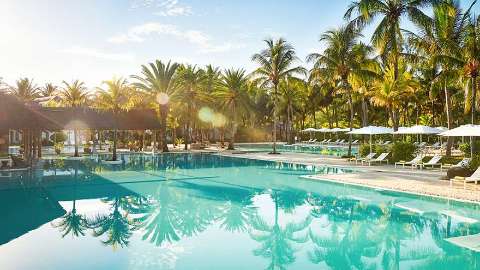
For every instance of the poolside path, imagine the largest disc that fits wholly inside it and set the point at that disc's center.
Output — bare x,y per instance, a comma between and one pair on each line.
423,182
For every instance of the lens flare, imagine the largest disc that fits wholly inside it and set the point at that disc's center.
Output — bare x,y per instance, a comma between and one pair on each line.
219,120
162,98
206,114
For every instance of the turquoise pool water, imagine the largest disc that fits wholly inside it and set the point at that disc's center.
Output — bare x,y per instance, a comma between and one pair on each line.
201,211
326,150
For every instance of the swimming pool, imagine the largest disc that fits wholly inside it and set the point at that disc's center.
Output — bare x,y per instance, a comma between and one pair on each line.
203,211
326,150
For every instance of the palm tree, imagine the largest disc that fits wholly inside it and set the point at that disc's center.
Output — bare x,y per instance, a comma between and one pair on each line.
292,90
25,90
439,45
387,36
116,97
390,93
189,91
74,95
342,57
158,81
276,62
233,97
48,90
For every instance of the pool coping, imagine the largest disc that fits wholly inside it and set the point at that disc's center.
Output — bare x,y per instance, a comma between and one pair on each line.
326,179
356,170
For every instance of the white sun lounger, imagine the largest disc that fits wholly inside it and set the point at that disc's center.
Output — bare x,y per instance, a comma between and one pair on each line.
417,160
379,159
434,161
475,178
366,158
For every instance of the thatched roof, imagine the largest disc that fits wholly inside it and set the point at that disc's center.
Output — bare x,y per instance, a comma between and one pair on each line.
15,114
88,118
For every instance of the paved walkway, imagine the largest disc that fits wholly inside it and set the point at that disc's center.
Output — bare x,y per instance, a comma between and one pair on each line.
424,182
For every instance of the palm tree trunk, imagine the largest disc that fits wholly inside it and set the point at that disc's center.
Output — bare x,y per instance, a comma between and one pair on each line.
114,150
474,97
234,129
275,119
448,108
187,134
163,127
364,113
350,102
75,138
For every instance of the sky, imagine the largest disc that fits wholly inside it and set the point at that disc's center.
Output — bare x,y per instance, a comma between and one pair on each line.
96,40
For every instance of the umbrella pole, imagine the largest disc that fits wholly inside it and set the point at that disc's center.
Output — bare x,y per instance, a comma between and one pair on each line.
370,143
471,147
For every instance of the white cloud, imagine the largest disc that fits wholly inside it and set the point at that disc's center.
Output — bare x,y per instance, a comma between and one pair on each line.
90,52
166,7
204,42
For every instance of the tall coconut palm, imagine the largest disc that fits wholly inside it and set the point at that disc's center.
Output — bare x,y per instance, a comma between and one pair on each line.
292,90
189,91
115,97
439,43
276,62
390,93
233,97
25,89
157,80
74,95
342,57
387,36
48,90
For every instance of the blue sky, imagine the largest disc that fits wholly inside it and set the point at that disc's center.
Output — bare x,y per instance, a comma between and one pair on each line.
94,40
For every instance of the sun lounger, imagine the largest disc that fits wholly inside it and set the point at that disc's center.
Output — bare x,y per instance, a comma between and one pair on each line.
386,143
313,141
422,145
463,163
366,158
475,178
340,142
434,161
417,160
355,142
335,142
379,159
327,141
322,142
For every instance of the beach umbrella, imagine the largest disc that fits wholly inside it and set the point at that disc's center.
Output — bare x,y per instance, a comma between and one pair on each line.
371,130
420,130
310,130
464,131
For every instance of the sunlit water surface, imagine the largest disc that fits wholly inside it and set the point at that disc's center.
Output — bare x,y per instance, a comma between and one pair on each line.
201,211
325,150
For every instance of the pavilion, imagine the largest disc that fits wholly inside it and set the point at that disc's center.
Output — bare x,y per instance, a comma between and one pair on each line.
31,120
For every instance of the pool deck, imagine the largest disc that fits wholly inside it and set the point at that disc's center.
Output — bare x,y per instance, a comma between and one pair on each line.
423,182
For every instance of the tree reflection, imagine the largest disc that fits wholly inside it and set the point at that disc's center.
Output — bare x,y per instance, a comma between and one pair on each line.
116,225
72,223
276,241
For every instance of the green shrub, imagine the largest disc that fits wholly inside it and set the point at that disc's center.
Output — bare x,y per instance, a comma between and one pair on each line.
380,149
402,151
465,147
475,163
58,137
58,147
364,150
